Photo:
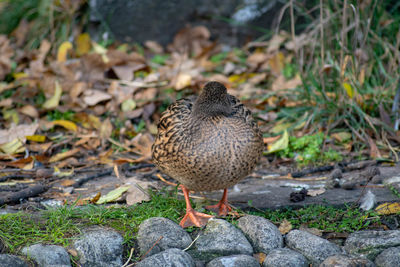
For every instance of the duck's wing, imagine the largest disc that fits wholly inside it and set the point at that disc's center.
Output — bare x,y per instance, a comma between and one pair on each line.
241,111
171,128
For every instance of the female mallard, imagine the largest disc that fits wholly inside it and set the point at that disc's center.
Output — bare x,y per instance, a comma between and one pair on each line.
206,144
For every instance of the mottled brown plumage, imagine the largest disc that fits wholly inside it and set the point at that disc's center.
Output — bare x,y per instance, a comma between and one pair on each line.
207,143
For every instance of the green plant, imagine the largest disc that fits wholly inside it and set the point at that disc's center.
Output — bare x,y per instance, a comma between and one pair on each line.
308,149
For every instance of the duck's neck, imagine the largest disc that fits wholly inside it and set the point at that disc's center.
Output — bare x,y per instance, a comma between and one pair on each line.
207,108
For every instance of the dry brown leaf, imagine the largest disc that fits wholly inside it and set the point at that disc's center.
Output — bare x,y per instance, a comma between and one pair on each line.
313,231
17,132
260,257
142,145
106,129
374,151
182,80
30,111
6,52
93,97
154,47
137,192
316,192
276,63
285,227
257,58
282,84
21,32
275,43
76,90
63,155
67,182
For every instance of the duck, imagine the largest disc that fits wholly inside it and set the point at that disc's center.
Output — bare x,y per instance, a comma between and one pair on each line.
206,143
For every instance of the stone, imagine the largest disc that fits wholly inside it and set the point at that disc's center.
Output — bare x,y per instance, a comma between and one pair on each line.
99,247
234,260
221,238
171,234
343,260
389,257
7,260
370,243
314,248
47,255
172,257
262,234
284,257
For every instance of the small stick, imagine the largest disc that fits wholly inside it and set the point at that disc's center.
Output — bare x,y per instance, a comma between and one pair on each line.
130,257
191,244
155,243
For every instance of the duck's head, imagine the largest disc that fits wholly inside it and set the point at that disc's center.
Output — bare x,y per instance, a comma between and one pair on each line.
213,101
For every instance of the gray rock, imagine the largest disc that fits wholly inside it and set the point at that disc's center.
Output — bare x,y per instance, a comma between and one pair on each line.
151,230
172,257
314,248
262,234
100,247
284,257
389,257
7,260
370,243
234,260
47,255
221,238
346,261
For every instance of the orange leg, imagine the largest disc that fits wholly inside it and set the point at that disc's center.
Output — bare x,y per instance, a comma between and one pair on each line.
222,208
192,217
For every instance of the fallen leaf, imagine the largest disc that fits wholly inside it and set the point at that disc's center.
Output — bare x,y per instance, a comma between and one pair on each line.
63,155
341,137
154,47
349,89
374,151
316,192
18,132
106,129
285,227
113,195
63,50
128,105
280,144
69,125
54,101
260,257
282,84
101,51
275,42
36,138
83,44
93,97
12,147
313,231
30,111
182,80
138,191
388,208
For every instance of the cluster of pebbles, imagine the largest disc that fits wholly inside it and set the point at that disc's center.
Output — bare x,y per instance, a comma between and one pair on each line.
255,241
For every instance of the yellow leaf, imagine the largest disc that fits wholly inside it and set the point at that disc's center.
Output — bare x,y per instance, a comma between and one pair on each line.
113,195
285,227
15,146
100,50
36,138
11,114
341,136
59,173
66,124
20,75
62,51
53,101
280,126
388,208
349,89
63,155
128,105
280,144
183,80
83,44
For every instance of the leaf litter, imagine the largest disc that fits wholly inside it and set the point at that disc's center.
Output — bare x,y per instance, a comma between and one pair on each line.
82,106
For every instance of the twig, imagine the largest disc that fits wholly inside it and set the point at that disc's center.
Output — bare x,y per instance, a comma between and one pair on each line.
22,194
155,243
129,259
137,84
343,33
191,244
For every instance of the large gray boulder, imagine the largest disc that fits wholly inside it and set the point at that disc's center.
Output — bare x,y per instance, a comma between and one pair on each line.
47,255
